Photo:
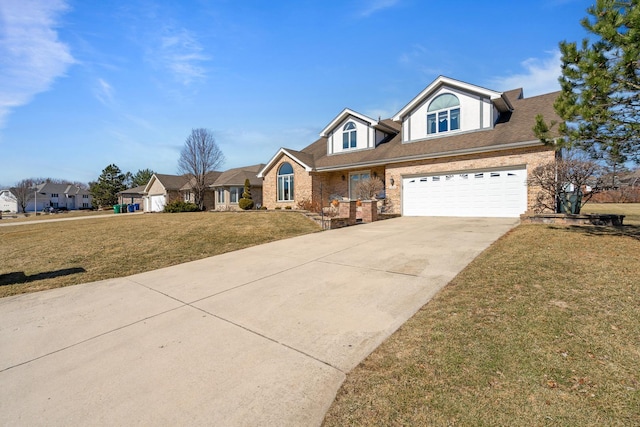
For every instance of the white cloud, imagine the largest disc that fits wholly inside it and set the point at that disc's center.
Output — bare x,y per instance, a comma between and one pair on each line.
374,6
31,56
181,54
540,76
104,92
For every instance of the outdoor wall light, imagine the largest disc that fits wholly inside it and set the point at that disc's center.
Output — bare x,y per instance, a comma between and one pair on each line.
343,177
392,181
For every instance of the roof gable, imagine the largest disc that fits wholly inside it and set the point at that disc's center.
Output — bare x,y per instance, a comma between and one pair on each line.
499,99
169,182
343,116
303,159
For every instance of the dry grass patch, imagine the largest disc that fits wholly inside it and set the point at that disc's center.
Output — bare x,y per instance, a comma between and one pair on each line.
42,256
31,217
630,210
543,328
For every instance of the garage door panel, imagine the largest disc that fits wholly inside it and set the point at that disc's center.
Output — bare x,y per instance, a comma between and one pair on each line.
157,203
477,193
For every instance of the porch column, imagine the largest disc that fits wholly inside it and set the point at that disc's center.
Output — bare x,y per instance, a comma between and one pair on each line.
369,210
347,209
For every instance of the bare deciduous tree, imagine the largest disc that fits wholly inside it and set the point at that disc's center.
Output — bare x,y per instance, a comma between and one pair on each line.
24,192
369,188
199,156
566,184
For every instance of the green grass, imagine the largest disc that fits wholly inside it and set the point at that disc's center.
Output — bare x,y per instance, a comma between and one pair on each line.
38,255
543,328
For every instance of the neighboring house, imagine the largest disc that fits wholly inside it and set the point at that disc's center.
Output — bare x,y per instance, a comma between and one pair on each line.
456,149
162,189
229,186
188,195
59,196
8,201
132,196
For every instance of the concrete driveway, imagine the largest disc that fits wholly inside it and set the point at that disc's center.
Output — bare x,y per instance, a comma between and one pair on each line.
261,336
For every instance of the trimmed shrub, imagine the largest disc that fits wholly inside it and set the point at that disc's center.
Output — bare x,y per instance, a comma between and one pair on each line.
180,206
246,202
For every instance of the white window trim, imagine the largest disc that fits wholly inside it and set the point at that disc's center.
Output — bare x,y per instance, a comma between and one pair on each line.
286,177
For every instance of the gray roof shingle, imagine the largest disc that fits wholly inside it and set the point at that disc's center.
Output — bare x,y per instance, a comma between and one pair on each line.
510,129
237,176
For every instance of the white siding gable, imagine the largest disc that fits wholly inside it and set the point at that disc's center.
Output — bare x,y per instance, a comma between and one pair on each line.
364,135
476,113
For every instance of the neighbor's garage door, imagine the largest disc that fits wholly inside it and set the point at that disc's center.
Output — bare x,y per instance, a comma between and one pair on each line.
157,203
500,193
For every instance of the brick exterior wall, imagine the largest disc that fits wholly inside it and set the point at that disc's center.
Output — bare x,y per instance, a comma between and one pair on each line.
302,185
318,187
333,183
532,158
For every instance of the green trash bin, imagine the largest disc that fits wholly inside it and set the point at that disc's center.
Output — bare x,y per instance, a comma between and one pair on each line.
116,208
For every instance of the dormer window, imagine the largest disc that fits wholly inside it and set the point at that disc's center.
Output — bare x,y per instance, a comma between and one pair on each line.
443,114
349,136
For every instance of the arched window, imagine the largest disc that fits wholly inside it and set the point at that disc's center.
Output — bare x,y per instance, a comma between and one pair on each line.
349,136
443,114
285,183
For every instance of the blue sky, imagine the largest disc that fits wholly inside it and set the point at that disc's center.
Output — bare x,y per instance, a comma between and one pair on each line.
84,84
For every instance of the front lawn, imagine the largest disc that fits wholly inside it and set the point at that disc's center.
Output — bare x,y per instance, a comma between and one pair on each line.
543,328
38,256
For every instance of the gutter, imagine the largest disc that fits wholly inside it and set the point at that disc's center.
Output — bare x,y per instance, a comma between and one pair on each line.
442,154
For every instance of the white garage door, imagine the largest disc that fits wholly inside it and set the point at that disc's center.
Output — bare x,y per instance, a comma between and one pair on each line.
501,193
157,203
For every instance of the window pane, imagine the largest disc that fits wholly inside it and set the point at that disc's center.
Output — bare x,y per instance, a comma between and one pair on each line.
455,119
280,188
353,182
285,169
431,123
291,187
443,124
445,100
345,140
353,139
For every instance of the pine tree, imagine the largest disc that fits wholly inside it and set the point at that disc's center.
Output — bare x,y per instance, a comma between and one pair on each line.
110,183
600,98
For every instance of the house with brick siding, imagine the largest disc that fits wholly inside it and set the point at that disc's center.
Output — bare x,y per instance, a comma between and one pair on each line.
456,149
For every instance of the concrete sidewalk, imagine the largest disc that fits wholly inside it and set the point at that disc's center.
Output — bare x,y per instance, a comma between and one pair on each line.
261,336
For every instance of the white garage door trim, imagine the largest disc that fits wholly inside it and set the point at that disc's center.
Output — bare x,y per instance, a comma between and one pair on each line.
478,193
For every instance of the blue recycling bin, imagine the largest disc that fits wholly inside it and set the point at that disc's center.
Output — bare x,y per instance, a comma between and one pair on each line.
130,208
136,206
